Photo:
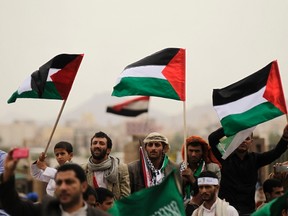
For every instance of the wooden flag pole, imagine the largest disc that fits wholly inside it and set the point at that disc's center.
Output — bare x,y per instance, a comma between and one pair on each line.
185,132
55,125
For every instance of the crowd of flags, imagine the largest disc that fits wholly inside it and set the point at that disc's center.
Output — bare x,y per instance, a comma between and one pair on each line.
240,106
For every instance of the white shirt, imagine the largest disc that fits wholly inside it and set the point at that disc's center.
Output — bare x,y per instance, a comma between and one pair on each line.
231,211
47,175
80,212
101,181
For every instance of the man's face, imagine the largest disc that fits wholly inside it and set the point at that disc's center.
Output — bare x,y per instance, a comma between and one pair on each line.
107,204
245,145
154,150
69,189
98,148
277,192
62,155
91,200
194,154
208,192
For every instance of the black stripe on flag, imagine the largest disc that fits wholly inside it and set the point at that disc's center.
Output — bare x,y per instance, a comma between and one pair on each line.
242,88
39,77
126,112
162,57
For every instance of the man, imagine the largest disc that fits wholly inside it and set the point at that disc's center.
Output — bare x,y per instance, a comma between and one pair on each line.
272,188
239,172
63,152
212,205
105,199
158,164
199,158
70,184
104,170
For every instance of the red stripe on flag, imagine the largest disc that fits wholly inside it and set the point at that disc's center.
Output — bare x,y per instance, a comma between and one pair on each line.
274,91
64,78
120,106
175,73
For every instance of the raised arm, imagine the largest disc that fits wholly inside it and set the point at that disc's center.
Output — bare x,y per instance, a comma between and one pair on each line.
269,156
9,198
214,139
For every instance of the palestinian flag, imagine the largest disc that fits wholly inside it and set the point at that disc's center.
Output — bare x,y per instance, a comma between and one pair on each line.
53,80
161,74
130,108
253,100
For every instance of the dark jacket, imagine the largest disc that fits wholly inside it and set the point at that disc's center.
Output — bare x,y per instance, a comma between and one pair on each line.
137,178
15,206
239,177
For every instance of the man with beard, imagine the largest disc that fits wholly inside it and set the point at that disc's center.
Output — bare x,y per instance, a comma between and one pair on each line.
104,170
70,184
208,184
239,172
157,162
199,158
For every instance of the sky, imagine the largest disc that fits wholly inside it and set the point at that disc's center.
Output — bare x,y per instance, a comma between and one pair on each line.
225,41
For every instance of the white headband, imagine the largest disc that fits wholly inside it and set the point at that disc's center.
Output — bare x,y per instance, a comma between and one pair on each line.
208,181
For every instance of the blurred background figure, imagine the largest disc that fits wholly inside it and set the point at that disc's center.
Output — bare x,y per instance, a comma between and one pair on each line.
105,198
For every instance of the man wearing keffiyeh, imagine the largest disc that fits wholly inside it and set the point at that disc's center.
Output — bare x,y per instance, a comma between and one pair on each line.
157,163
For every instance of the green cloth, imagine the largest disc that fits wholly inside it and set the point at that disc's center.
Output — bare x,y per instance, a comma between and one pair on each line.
162,199
274,207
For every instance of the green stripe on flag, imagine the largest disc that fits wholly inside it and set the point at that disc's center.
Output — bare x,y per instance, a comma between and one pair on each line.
258,114
145,86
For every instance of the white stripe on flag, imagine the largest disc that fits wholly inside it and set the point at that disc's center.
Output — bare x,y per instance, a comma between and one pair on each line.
25,86
241,105
51,72
153,71
238,139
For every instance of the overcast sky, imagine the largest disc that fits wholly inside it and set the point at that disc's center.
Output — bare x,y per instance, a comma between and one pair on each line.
225,41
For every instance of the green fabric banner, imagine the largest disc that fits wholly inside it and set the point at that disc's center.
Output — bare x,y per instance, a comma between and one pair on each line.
274,207
162,199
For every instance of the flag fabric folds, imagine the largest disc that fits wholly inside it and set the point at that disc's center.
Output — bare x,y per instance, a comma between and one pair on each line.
161,74
229,144
162,199
53,80
274,207
250,101
132,108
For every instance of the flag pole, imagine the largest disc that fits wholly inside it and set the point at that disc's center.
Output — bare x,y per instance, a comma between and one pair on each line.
55,125
185,132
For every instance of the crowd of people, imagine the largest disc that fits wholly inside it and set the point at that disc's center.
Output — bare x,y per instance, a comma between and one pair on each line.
210,185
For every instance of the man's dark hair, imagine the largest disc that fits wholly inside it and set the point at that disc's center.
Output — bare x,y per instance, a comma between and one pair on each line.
269,184
79,172
65,145
101,134
102,194
90,191
208,174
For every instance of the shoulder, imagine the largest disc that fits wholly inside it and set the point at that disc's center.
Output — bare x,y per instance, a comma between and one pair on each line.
94,211
231,211
133,164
